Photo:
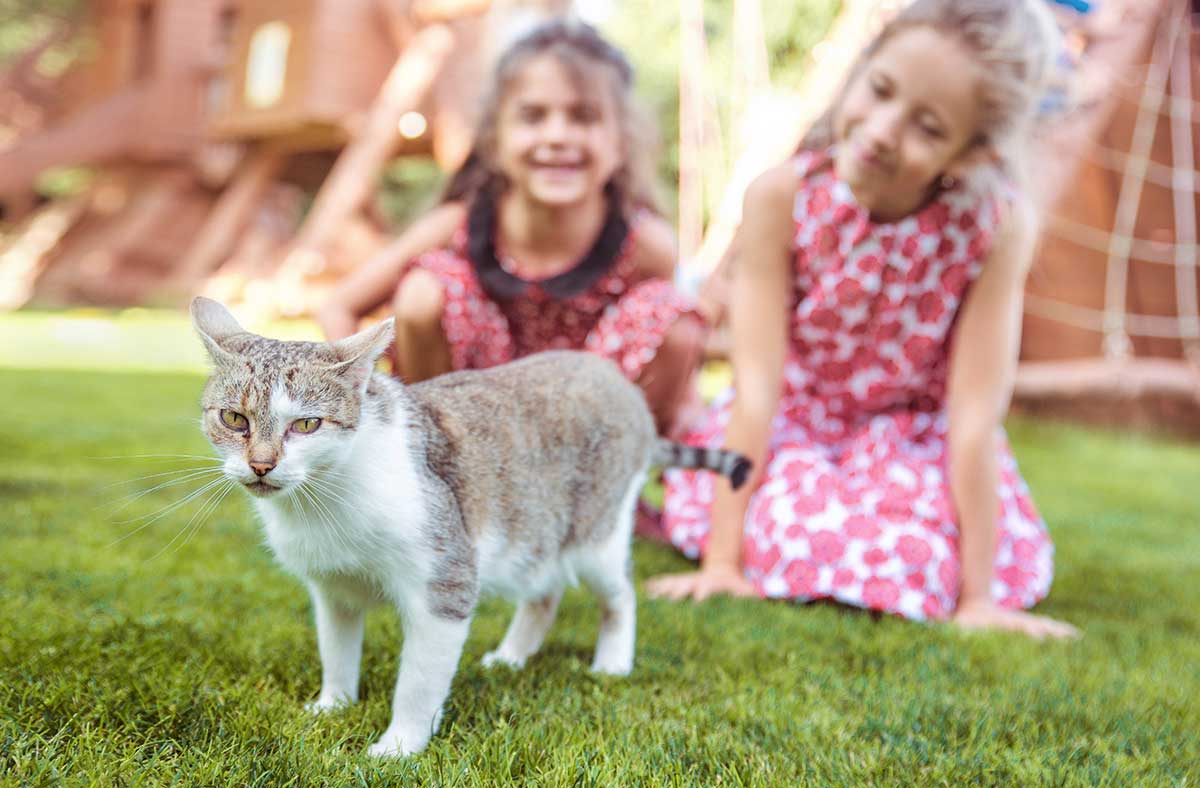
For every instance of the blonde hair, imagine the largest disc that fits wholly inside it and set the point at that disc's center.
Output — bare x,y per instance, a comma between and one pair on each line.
1015,43
590,59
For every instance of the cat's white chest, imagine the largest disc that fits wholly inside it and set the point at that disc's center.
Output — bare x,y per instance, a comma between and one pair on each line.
365,520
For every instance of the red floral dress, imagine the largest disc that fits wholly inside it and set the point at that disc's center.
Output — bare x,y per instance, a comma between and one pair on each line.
855,503
622,316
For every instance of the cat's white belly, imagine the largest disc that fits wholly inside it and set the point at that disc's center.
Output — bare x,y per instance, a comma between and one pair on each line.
508,572
520,578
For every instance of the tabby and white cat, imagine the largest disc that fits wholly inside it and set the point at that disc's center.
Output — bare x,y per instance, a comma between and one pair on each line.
518,481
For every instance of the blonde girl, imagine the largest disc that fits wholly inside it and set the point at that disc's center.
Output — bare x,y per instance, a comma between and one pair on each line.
875,312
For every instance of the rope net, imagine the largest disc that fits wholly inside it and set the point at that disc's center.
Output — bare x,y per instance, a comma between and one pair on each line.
1161,93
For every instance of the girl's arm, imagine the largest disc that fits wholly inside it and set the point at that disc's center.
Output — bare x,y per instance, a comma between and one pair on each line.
983,365
657,250
762,292
375,282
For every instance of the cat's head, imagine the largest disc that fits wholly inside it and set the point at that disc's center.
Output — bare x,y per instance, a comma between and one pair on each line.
279,411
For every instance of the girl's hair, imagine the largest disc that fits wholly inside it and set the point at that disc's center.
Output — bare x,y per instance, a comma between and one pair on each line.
591,62
1015,43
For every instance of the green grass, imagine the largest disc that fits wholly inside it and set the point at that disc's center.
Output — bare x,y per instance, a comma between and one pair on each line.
128,664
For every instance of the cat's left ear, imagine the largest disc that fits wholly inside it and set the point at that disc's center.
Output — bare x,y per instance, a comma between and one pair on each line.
360,351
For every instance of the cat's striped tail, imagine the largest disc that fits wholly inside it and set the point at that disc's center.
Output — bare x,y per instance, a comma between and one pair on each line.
727,463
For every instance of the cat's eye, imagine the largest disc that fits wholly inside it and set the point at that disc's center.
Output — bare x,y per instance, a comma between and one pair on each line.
234,420
305,426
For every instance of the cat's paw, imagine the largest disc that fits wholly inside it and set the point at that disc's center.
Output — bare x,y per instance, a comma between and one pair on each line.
391,745
499,658
612,666
326,705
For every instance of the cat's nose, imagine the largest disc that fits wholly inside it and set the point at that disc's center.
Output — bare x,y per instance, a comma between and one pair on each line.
261,468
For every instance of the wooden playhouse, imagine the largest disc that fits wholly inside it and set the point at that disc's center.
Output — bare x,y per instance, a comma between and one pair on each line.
211,123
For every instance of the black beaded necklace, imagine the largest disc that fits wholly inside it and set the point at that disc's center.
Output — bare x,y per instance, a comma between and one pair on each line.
503,285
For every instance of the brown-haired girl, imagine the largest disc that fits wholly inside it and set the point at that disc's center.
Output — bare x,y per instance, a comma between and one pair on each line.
546,238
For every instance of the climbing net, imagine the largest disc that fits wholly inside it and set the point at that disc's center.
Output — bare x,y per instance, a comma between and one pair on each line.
1164,89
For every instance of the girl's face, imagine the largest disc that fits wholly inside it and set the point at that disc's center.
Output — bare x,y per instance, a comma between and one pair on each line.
906,119
557,144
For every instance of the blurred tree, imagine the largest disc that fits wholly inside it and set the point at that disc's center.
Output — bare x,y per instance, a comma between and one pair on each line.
23,23
648,31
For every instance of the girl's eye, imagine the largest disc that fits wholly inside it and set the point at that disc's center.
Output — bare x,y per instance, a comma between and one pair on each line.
305,426
234,420
879,88
530,114
585,114
932,130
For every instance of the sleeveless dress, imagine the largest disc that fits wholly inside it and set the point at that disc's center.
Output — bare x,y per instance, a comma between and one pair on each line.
855,503
622,316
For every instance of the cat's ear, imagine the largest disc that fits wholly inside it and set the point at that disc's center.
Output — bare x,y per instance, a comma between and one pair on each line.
360,351
214,323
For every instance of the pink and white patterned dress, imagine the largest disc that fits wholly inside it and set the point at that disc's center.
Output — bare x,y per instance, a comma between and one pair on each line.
855,503
622,316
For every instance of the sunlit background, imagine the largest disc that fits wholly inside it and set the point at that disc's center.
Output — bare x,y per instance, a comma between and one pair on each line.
256,151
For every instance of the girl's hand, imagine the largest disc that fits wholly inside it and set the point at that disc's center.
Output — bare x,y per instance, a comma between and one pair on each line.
709,581
984,614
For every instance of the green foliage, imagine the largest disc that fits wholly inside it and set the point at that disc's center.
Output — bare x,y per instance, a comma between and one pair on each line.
409,187
64,181
142,662
23,23
648,32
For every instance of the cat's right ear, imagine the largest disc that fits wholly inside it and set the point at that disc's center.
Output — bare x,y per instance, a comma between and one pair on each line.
214,323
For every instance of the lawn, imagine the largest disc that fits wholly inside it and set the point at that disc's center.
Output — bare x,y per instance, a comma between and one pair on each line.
148,661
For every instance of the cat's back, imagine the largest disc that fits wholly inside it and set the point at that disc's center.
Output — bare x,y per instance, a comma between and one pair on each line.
540,447
556,393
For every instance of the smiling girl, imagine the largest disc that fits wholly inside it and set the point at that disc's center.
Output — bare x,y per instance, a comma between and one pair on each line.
547,237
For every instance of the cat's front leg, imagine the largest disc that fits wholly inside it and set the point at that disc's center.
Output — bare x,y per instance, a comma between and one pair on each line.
339,641
428,660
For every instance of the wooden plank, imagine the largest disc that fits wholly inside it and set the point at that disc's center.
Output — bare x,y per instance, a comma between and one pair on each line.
353,177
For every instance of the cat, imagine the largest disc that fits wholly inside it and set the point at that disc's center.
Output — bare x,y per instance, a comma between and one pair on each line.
517,480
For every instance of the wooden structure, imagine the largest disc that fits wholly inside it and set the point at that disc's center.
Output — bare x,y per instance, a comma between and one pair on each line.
1112,330
207,120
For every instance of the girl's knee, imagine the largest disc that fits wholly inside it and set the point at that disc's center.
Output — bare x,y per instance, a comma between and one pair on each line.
420,301
684,341
667,378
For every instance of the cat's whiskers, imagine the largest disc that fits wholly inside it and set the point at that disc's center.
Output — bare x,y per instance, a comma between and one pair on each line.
326,487
331,489
171,507
215,503
156,457
312,506
189,474
349,499
332,479
206,507
322,512
216,464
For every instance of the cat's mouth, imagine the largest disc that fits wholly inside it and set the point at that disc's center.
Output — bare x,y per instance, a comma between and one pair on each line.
261,489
